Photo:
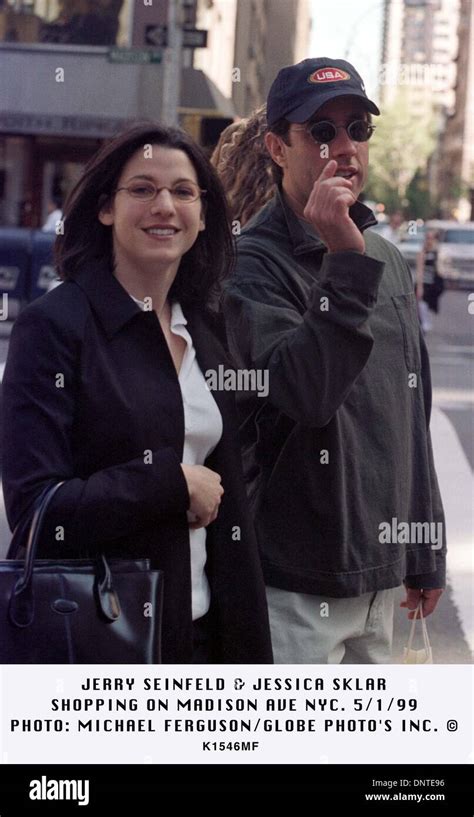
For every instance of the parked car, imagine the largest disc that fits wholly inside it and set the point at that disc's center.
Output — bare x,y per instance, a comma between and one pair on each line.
411,245
455,252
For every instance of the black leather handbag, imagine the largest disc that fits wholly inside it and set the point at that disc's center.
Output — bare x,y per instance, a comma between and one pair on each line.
84,611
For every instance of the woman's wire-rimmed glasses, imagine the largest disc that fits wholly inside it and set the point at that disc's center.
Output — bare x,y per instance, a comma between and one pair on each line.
182,192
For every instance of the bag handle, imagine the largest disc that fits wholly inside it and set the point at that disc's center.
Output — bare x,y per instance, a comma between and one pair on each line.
23,528
424,630
21,607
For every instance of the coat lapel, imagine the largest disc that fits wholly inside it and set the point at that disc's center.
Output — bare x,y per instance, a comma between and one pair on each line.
210,352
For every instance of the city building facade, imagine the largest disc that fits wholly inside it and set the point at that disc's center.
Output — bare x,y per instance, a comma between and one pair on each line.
73,73
455,178
426,55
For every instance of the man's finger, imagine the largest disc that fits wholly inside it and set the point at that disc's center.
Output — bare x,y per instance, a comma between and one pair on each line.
346,198
412,598
341,207
430,600
328,170
333,182
428,607
344,188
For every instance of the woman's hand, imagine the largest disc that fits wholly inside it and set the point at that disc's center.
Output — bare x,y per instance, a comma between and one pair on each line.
205,493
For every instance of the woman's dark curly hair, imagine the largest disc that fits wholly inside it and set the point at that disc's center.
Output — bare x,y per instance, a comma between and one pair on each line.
205,265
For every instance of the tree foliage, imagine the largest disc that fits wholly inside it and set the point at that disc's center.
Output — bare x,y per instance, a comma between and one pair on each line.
399,149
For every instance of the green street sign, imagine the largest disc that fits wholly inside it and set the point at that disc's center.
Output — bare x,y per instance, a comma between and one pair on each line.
139,56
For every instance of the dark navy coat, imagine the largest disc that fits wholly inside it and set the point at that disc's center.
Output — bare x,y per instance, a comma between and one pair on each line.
91,396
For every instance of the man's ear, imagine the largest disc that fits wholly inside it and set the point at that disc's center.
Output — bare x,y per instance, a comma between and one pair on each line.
105,214
276,148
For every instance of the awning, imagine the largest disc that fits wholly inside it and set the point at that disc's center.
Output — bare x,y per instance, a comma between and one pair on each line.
199,92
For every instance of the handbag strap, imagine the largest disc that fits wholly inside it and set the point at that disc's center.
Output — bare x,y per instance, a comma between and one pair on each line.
21,608
34,533
23,527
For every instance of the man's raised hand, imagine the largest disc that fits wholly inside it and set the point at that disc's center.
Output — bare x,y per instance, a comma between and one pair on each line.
327,209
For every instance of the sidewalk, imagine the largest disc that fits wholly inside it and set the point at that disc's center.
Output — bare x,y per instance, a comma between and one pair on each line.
451,627
457,489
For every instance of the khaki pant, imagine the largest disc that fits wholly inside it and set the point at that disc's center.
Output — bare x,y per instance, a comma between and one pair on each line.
321,630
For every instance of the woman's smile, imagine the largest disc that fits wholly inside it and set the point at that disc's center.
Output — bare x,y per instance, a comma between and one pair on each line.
161,232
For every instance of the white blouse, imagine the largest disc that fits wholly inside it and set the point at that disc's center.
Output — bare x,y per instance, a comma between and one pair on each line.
202,432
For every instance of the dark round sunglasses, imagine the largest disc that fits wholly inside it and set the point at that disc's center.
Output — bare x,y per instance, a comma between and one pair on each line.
323,132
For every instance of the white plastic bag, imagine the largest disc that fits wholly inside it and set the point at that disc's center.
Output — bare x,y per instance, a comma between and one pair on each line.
425,655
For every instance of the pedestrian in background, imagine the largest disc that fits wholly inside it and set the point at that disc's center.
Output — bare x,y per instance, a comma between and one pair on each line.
55,215
429,283
391,229
244,166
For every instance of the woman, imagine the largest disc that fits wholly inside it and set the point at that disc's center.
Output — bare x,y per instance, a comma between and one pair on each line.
104,388
244,166
430,285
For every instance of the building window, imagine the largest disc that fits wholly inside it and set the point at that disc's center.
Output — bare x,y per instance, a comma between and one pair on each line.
74,22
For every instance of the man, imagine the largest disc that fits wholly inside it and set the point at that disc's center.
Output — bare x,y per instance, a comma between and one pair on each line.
338,456
54,215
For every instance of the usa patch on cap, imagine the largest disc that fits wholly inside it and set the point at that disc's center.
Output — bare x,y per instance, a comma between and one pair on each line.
328,75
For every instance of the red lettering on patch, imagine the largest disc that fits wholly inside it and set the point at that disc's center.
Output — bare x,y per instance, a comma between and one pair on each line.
328,75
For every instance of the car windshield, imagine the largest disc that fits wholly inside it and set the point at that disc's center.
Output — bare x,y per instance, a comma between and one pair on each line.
459,237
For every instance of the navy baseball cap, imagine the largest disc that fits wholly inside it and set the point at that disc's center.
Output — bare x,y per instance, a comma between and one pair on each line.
300,90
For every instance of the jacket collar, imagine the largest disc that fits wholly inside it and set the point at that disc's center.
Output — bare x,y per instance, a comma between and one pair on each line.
177,316
110,301
112,304
302,241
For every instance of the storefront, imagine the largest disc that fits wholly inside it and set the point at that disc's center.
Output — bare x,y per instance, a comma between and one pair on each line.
60,102
36,174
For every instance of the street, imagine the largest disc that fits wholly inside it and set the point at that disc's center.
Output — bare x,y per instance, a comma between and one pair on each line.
451,627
